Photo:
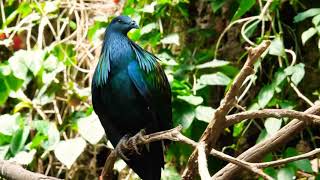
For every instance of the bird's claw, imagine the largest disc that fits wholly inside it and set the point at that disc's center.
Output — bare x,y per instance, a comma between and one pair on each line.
121,145
138,138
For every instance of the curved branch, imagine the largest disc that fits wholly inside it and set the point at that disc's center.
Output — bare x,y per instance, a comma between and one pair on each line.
14,171
276,113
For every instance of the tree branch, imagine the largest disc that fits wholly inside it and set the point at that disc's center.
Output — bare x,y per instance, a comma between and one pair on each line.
216,125
276,113
259,150
14,171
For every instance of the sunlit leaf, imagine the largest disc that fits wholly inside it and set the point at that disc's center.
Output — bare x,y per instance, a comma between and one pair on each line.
23,157
204,113
3,151
298,73
9,124
213,64
149,8
171,39
306,35
306,14
286,173
276,47
90,128
272,125
316,20
194,100
214,79
170,173
69,150
148,28
265,95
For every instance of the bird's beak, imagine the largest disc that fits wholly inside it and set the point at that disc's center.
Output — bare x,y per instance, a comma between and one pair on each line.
134,25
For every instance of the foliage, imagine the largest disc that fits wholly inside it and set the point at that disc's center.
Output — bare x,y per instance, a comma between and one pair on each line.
48,52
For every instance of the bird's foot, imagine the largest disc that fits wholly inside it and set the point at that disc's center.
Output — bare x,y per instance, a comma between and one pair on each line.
136,139
122,145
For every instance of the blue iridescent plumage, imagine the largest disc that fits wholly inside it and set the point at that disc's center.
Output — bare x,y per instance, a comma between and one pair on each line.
130,92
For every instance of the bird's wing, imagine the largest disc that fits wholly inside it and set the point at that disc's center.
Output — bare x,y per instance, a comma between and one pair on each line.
103,67
151,82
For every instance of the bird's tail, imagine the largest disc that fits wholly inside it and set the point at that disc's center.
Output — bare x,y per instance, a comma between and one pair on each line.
148,165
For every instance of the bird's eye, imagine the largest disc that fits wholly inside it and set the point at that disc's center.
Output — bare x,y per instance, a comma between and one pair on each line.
119,21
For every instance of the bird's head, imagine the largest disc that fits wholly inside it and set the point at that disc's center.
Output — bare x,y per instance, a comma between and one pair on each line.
123,24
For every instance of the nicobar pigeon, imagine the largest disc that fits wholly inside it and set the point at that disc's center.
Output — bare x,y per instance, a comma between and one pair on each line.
130,92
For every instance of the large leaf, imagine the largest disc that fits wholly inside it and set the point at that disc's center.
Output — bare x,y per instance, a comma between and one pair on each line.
276,47
23,157
286,173
90,128
245,6
9,124
69,150
306,14
3,151
303,164
272,125
306,35
213,64
19,139
204,113
265,95
191,99
214,79
171,39
297,72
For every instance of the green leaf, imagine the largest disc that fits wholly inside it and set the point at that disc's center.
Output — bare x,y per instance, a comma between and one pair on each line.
149,8
19,139
90,128
245,6
23,157
276,47
9,124
170,173
3,151
216,5
4,91
286,173
184,117
262,136
306,14
280,76
194,100
303,164
213,64
306,35
214,79
265,95
171,39
316,20
69,150
148,28
298,74
18,66
238,128
204,113
272,125
53,137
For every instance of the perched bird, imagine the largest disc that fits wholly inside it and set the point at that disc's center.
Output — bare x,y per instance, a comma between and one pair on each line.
130,92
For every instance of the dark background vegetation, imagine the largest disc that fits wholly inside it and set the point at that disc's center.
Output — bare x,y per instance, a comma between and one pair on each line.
48,50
